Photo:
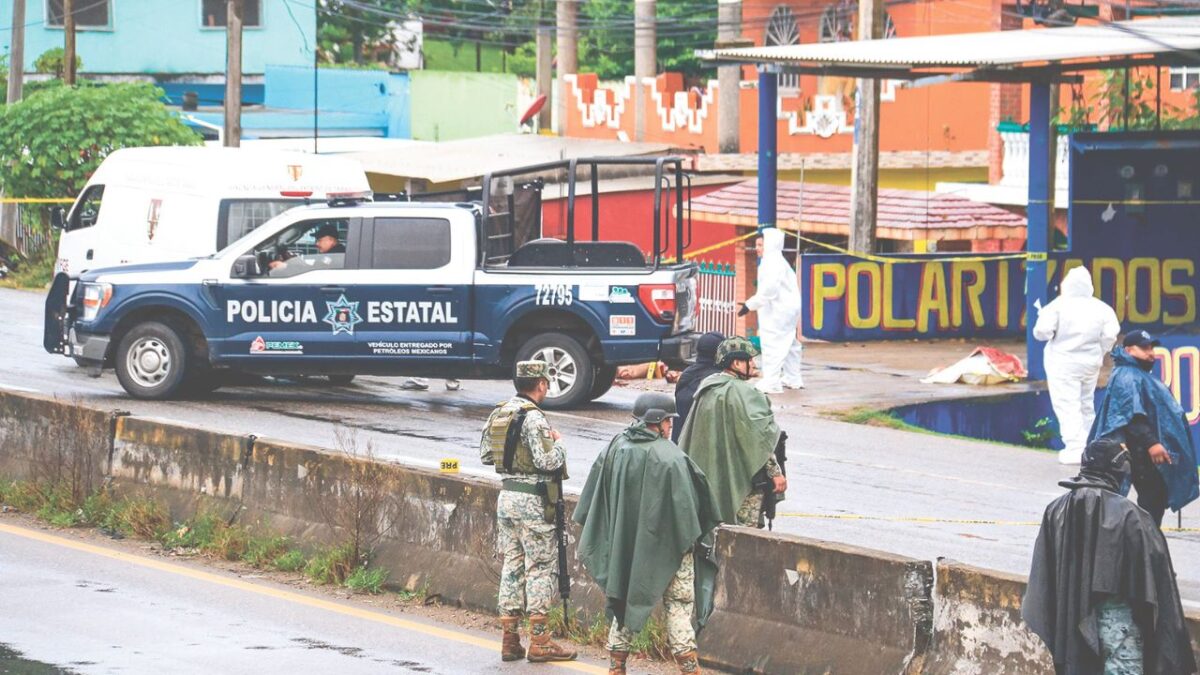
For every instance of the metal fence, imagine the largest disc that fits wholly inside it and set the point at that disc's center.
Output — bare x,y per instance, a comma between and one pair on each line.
24,227
718,302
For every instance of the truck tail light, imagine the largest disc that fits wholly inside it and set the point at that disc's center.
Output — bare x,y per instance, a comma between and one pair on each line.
659,300
296,194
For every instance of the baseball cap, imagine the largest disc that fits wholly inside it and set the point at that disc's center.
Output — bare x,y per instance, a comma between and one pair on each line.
326,230
1140,338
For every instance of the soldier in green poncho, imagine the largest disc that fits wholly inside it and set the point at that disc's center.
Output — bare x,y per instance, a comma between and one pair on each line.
731,435
647,517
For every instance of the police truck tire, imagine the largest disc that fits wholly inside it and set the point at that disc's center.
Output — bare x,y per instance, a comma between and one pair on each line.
152,361
340,380
605,377
571,369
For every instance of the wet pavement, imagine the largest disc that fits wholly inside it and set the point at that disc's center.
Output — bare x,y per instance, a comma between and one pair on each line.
927,496
73,605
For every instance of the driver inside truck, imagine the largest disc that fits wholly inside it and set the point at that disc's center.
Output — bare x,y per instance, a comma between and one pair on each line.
330,252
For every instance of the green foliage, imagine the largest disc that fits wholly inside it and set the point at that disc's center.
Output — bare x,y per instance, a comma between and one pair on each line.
350,33
198,533
54,62
460,57
1042,432
683,26
36,271
4,74
292,561
1140,113
139,517
265,551
367,580
51,142
332,565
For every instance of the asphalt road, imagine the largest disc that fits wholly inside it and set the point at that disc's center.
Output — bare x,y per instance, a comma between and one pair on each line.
921,494
92,607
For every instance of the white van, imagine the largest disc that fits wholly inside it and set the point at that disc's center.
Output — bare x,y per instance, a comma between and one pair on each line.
169,203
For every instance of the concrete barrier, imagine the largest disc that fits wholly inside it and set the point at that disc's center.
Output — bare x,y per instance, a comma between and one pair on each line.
977,626
48,439
978,629
785,604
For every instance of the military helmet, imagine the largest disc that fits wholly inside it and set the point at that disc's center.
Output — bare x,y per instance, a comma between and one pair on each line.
533,369
654,407
736,347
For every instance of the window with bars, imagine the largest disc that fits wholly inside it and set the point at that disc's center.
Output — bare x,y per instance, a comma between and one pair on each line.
87,13
1185,77
214,13
782,29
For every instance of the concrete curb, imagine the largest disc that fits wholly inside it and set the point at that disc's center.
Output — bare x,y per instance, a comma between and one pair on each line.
784,604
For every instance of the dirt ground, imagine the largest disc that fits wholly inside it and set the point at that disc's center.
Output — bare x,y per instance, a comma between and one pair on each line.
879,375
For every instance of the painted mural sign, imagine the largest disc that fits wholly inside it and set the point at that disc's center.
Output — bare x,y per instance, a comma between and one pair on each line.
1134,221
849,298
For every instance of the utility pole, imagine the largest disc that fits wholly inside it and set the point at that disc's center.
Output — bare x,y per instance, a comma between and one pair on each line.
16,53
544,67
864,174
644,67
233,73
10,213
566,15
69,42
729,78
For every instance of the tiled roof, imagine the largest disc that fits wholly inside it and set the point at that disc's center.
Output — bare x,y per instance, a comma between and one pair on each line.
825,209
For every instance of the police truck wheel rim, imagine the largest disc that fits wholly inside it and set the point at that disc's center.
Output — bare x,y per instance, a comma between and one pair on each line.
563,369
149,362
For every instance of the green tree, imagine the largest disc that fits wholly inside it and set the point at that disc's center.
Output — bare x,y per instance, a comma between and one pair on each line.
352,32
606,38
51,142
54,62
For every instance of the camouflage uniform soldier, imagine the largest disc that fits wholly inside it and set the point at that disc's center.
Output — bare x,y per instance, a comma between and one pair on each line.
731,434
518,441
645,504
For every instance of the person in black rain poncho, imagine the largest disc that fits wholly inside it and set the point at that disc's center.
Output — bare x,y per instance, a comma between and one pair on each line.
693,375
1102,592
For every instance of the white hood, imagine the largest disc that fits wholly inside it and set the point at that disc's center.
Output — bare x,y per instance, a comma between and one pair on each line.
1078,283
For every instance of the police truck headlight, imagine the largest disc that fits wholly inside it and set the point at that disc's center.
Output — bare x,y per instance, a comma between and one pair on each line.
95,297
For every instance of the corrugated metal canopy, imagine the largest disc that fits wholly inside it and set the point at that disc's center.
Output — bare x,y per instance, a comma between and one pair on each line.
1001,55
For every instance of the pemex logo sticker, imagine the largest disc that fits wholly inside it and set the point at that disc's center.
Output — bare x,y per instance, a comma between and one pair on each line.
342,316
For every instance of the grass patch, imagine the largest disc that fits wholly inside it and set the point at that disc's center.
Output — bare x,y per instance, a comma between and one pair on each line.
331,565
367,580
584,629
292,561
138,517
35,273
264,551
877,418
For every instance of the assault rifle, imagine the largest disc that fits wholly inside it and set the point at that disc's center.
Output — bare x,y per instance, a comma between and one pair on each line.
560,533
765,484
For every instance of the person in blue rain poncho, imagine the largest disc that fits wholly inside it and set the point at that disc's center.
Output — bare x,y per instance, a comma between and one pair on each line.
1140,411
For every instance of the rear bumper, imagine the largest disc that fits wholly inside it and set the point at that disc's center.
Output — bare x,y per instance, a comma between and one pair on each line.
679,350
90,348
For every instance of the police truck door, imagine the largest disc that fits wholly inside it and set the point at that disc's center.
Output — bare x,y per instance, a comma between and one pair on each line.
301,304
416,287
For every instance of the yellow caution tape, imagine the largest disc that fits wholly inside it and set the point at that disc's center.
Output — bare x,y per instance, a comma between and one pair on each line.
36,200
950,521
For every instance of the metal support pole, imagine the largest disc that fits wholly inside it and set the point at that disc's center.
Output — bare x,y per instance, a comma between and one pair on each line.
768,155
1038,214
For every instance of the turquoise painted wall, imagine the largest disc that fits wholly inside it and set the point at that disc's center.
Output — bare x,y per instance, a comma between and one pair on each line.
448,105
165,36
366,94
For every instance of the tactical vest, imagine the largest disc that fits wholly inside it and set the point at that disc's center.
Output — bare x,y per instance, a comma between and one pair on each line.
501,422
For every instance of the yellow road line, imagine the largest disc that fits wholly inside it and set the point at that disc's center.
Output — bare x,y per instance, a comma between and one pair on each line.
279,594
931,519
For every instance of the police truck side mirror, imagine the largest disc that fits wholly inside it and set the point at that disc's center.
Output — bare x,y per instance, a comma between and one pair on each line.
245,267
58,217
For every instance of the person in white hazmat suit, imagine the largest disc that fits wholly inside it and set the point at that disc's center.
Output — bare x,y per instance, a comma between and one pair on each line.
778,305
1079,330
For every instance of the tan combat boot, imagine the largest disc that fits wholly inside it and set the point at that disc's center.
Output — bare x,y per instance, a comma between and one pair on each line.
511,649
689,662
616,662
541,647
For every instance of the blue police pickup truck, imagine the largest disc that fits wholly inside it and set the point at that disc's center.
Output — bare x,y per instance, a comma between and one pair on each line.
430,289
